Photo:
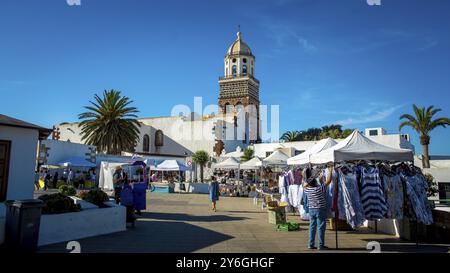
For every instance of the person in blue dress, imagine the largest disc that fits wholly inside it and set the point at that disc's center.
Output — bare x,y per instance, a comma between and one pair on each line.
213,192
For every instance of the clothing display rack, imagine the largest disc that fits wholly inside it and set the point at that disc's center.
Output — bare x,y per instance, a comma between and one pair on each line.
336,191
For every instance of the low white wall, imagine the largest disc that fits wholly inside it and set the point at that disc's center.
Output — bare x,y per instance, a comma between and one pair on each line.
66,227
193,187
387,226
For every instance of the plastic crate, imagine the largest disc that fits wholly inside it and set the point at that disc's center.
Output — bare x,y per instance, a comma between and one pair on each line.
277,215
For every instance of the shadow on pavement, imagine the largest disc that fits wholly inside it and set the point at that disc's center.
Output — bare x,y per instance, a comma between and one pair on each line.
190,218
148,237
246,211
398,245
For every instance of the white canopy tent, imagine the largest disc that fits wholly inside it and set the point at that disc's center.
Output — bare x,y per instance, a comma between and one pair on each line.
253,164
171,165
304,158
236,154
276,159
358,147
228,164
77,162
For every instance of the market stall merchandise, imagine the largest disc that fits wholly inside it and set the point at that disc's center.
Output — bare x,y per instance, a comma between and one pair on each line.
365,189
173,166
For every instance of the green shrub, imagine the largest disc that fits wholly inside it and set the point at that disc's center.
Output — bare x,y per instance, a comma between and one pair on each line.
433,188
67,190
96,197
58,203
89,184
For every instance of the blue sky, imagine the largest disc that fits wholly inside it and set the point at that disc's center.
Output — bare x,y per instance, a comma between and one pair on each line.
322,61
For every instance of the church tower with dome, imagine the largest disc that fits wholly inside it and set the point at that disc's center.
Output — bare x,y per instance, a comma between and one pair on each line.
239,89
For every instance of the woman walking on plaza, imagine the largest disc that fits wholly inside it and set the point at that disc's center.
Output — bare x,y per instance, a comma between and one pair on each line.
213,192
315,192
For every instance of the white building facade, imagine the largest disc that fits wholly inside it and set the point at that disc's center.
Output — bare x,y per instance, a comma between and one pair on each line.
18,149
235,124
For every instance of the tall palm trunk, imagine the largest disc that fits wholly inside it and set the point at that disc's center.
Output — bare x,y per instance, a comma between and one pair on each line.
425,141
426,157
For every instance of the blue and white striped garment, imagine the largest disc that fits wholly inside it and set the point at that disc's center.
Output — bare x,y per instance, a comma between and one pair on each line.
350,207
316,196
372,195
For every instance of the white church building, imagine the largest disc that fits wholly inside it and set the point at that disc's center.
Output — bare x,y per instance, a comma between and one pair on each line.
236,123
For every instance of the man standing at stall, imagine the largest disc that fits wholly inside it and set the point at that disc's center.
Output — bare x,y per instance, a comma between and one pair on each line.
315,192
118,182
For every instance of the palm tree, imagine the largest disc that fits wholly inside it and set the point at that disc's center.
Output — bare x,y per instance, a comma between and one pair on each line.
247,154
201,158
110,124
290,136
423,124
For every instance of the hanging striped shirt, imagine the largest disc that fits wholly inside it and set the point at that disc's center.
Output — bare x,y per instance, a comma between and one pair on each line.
316,197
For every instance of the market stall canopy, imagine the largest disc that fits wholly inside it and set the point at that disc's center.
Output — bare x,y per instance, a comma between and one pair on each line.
107,170
359,147
277,158
236,154
51,166
172,165
252,164
230,163
77,162
304,158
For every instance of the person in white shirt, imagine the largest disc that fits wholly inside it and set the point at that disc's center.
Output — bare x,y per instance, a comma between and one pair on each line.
70,177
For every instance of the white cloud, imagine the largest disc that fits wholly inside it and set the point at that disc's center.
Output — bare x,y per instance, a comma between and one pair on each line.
286,35
369,115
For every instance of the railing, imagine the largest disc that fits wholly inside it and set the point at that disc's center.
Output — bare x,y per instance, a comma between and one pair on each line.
238,77
441,203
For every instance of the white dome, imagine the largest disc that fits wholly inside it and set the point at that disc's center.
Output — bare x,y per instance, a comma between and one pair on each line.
239,47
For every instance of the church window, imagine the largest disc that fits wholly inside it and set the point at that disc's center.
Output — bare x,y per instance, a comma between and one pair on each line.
244,69
146,144
234,70
234,60
159,138
245,60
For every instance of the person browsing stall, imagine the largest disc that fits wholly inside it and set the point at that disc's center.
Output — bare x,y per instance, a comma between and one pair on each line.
315,192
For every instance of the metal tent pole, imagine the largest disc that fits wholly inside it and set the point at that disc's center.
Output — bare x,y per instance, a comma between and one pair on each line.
336,213
417,234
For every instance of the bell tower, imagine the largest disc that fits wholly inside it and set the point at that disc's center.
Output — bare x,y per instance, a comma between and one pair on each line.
239,89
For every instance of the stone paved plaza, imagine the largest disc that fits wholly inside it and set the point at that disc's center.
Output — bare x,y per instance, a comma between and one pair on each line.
185,223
